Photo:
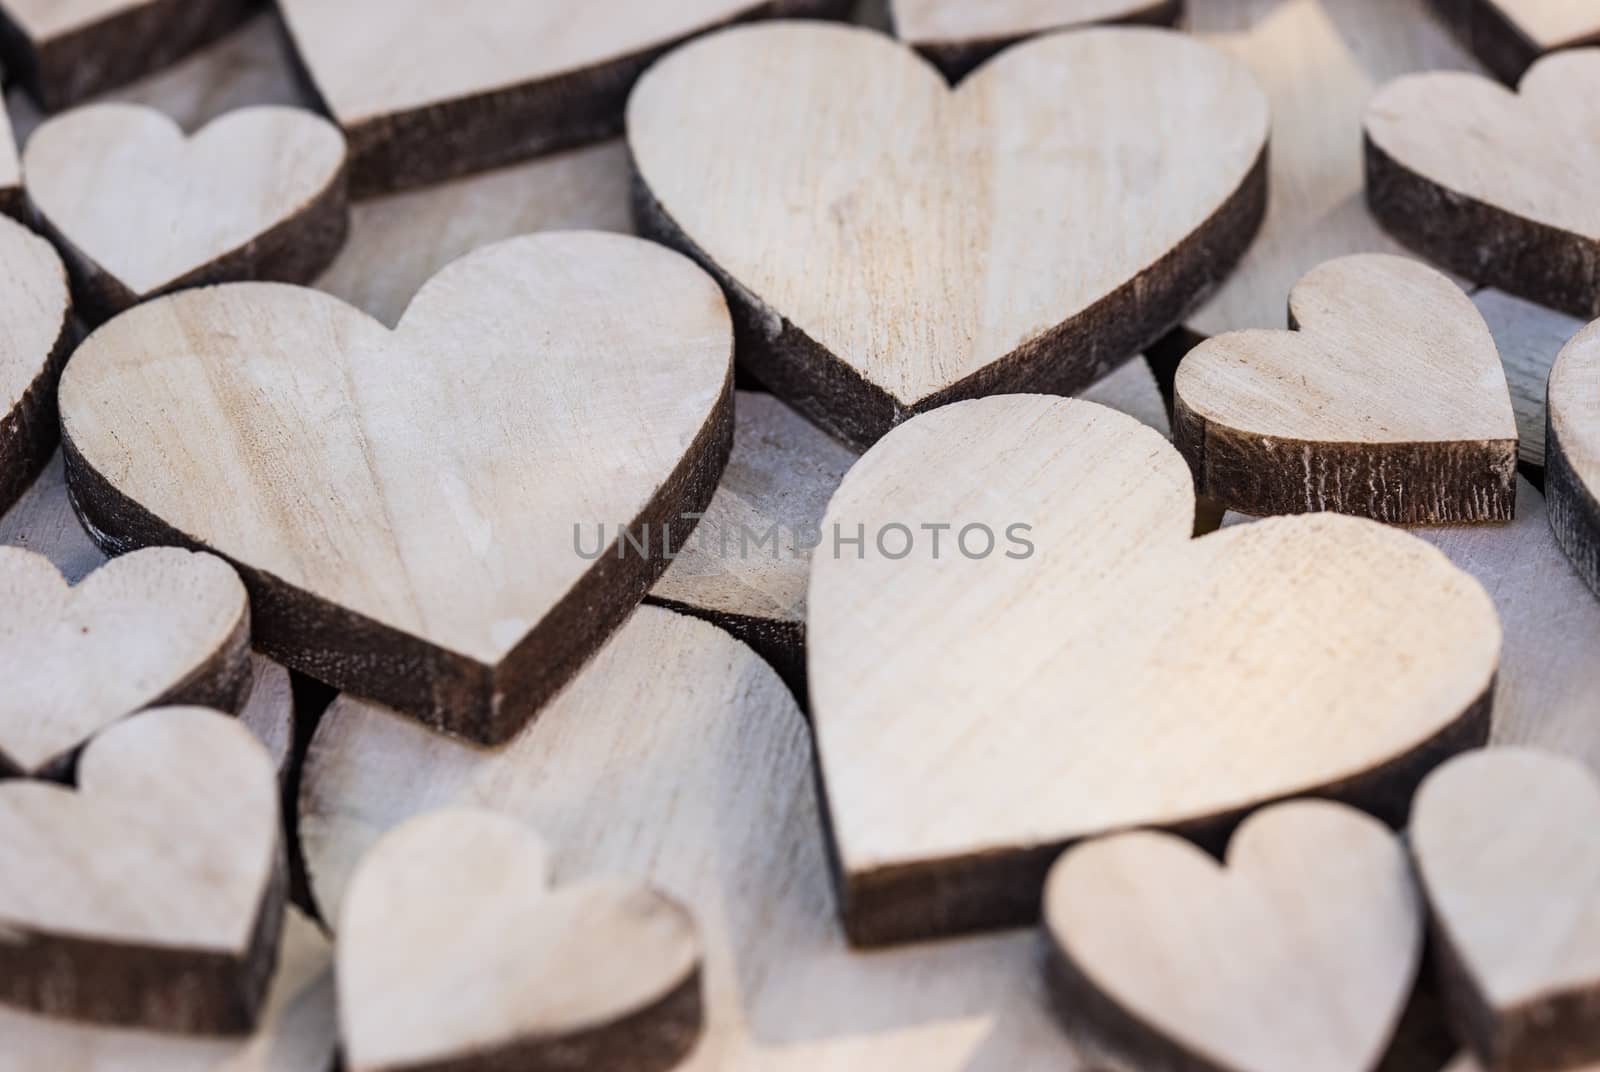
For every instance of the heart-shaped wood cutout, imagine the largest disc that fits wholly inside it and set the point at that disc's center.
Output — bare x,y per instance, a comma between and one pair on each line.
1496,185
153,895
453,954
36,338
428,516
1073,663
1507,844
1509,35
494,82
1572,452
889,244
161,626
1386,400
139,209
958,34
1314,922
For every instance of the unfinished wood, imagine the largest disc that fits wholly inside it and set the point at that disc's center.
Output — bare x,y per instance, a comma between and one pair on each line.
139,209
65,51
1572,453
1529,337
958,35
152,895
1315,654
418,513
162,626
679,758
1387,400
455,955
1314,914
1509,35
297,1033
1514,834
36,335
978,241
493,83
1493,184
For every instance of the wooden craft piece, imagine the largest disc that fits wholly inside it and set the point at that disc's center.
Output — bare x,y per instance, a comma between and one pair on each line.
1529,337
497,970
1507,846
493,83
1314,915
1386,400
418,513
1493,184
890,245
1081,631
65,51
1572,453
152,896
163,626
298,1031
138,209
958,35
36,335
1509,35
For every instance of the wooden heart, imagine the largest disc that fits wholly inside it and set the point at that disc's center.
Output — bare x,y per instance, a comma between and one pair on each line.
161,626
1509,35
1314,921
453,955
494,82
1507,845
1492,184
139,209
153,895
37,337
1572,452
890,245
957,35
418,513
1387,400
1072,663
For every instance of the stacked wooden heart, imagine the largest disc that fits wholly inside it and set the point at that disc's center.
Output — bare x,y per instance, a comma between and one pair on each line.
1035,586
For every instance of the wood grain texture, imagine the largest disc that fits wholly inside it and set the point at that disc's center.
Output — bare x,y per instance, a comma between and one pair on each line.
1322,654
1514,834
408,507
1314,916
1529,337
151,896
455,955
37,336
42,521
1386,399
1572,453
958,35
138,209
1509,35
948,266
163,626
1492,184
495,82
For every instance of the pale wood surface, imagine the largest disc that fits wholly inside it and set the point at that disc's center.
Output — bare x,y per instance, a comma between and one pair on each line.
454,952
269,713
536,385
1572,452
1320,652
1511,34
1529,337
948,266
35,339
1314,922
958,34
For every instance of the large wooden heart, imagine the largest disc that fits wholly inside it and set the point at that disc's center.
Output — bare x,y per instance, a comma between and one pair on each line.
890,244
1066,661
37,337
428,516
1572,452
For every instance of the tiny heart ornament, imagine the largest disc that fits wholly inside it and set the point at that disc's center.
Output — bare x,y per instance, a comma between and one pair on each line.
1572,452
37,337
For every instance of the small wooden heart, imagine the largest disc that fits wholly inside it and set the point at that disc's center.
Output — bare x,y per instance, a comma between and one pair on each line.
1572,452
37,337
1496,185
139,209
1073,663
1509,35
890,245
1507,844
434,516
1299,954
161,626
1386,400
454,956
957,35
153,895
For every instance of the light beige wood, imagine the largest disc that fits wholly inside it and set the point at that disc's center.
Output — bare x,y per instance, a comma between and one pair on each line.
298,1030
1528,337
152,896
970,232
268,712
160,626
1299,655
1388,401
42,521
1514,834
1299,953
678,757
431,495
959,35
454,953
1572,452
36,335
